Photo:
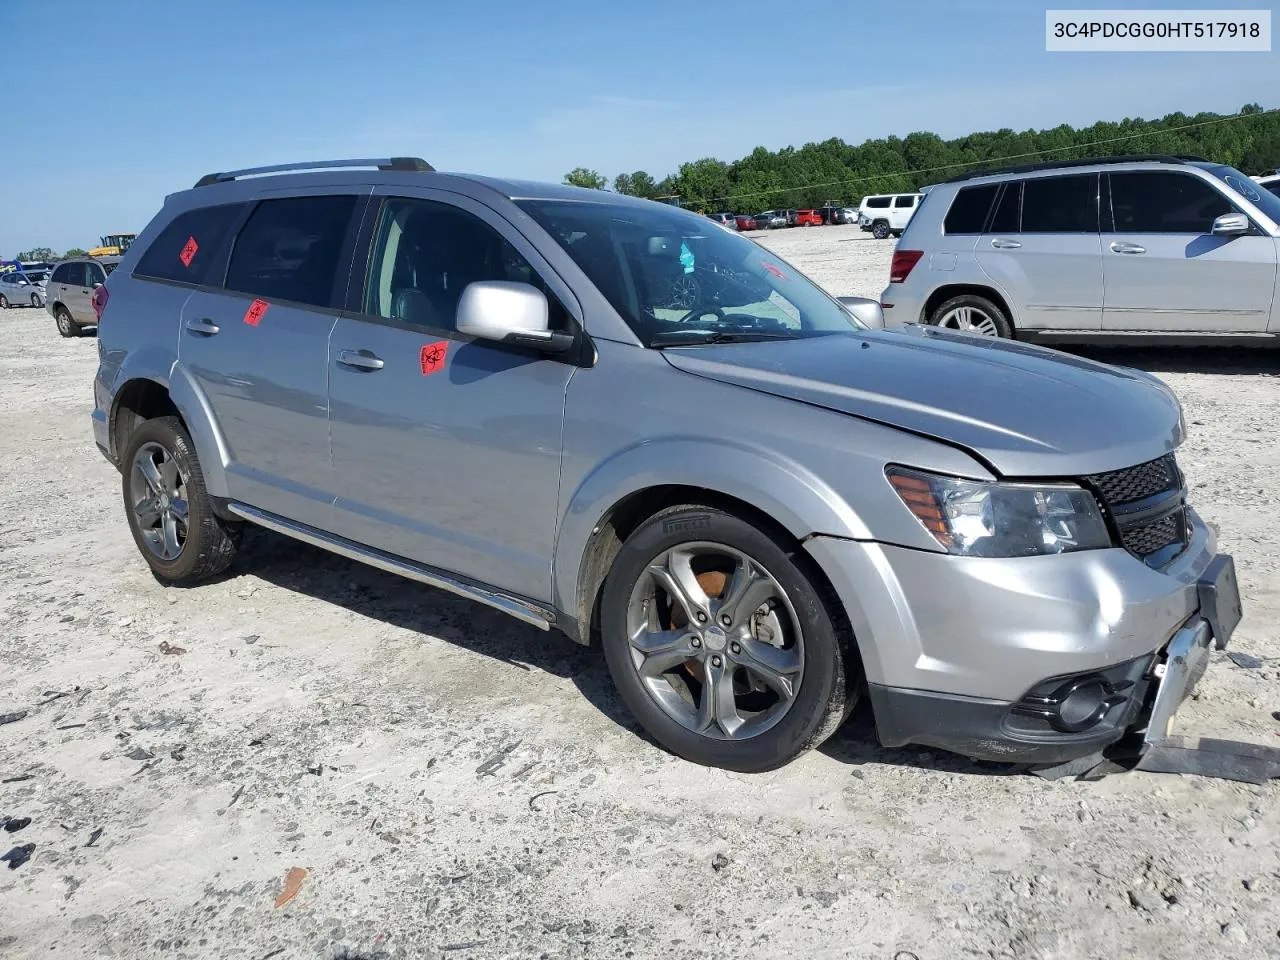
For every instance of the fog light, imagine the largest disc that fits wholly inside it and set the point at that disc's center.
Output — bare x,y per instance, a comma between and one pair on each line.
1074,706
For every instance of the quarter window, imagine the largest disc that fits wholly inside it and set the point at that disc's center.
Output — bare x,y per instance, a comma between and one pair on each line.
1060,204
969,209
424,255
184,250
1165,203
289,249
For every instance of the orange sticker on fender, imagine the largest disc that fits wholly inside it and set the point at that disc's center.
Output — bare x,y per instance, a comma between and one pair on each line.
254,314
432,356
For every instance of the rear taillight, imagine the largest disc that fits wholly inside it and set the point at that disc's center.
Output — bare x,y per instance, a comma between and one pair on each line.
99,301
904,262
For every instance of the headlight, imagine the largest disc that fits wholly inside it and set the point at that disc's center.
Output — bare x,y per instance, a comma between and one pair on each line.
975,519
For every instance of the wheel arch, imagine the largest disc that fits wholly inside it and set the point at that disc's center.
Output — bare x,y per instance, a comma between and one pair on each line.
947,291
626,490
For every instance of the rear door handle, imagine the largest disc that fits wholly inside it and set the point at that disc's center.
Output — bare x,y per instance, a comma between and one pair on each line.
360,360
1005,244
1119,247
205,328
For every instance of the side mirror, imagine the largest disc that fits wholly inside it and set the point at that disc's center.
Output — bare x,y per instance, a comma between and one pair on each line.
866,312
1230,225
509,312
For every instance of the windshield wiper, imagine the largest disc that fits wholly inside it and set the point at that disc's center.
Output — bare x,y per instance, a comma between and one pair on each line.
695,338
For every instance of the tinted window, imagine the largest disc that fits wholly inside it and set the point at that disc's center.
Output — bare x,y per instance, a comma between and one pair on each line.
185,249
877,202
95,274
1060,204
670,277
969,209
1159,202
424,255
1008,213
904,202
1274,187
74,275
289,249
61,272
109,267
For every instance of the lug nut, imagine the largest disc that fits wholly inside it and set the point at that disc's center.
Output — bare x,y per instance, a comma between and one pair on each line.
727,620
735,648
702,617
696,643
716,661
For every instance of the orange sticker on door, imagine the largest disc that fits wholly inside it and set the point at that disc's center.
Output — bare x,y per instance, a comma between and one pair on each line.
253,315
431,356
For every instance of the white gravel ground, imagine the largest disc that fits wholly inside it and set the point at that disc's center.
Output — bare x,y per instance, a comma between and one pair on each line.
458,785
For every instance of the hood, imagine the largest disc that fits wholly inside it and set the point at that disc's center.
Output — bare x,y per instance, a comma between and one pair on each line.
1027,411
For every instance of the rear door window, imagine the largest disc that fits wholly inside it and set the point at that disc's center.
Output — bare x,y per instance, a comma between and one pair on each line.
1158,202
96,274
877,202
904,202
969,209
289,250
1060,204
185,249
1008,213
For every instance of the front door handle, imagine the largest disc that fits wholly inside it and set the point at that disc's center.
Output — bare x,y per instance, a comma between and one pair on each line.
360,360
1119,247
206,328
1000,244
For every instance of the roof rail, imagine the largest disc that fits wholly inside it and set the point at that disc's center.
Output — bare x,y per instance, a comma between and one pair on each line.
414,164
1083,162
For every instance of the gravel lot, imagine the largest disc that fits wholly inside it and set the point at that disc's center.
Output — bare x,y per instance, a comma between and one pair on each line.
458,785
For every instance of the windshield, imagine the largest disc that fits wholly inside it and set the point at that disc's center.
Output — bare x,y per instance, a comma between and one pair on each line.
670,278
1251,190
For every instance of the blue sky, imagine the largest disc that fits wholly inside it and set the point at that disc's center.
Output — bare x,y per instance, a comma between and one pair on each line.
138,98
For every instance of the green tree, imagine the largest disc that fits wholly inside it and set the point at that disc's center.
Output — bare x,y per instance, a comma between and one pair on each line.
74,252
637,184
37,253
582,177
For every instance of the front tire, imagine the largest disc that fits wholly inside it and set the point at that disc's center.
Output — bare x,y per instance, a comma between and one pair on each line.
720,642
169,510
36,301
880,230
4,303
970,313
66,326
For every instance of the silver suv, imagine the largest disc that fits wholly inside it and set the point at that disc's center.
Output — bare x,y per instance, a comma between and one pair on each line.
609,417
1122,249
73,295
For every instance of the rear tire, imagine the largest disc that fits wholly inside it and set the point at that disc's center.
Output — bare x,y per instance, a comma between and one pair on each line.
780,659
66,326
880,230
970,313
169,511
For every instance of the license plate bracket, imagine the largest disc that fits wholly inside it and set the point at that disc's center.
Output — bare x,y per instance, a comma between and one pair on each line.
1219,595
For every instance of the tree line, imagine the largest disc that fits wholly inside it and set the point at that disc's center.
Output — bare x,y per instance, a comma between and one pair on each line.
835,172
46,254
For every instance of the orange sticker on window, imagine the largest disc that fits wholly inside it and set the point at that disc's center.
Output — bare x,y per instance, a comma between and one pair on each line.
253,315
432,356
189,251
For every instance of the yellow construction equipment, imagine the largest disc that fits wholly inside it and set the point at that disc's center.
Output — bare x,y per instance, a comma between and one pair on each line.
113,244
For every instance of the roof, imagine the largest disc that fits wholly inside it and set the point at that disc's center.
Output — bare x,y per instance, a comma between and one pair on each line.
1083,162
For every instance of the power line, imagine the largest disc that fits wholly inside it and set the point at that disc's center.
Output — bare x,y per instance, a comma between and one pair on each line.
991,161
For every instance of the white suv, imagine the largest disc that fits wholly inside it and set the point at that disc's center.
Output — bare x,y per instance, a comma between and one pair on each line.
887,214
1119,248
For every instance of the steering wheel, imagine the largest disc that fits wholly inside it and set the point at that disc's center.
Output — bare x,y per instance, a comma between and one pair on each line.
703,310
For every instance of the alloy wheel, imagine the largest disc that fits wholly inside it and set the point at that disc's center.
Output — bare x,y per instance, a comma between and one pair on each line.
715,641
969,320
158,494
63,319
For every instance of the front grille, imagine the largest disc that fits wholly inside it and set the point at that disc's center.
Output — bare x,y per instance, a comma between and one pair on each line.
1147,506
1138,483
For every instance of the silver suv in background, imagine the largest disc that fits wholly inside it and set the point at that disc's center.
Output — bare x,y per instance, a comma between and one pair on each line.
1122,248
609,417
71,290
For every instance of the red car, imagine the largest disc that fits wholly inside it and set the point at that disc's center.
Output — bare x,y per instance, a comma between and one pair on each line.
744,222
808,218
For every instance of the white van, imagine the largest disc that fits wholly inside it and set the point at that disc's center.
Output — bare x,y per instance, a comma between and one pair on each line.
886,214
